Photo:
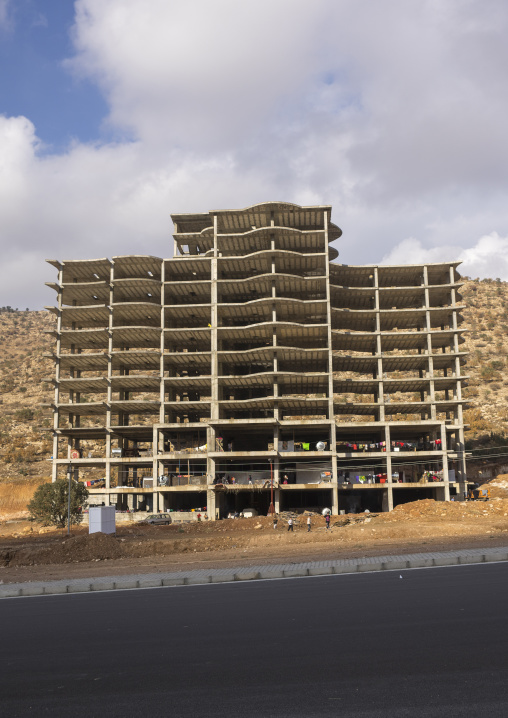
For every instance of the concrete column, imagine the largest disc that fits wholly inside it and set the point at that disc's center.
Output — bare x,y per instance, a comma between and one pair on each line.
69,439
335,498
276,499
335,472
109,377
444,449
155,467
379,348
161,366
331,411
389,491
330,391
214,322
54,466
432,394
211,504
276,463
387,501
456,349
461,463
210,477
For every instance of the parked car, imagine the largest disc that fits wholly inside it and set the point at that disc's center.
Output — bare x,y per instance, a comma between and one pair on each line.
157,519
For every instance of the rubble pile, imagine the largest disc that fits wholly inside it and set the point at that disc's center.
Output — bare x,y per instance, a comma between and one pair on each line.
453,510
355,519
498,487
286,515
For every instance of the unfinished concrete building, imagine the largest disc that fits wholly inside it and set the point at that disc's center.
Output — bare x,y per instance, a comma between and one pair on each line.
250,357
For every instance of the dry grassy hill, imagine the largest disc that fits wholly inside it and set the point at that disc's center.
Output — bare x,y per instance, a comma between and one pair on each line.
25,428
486,318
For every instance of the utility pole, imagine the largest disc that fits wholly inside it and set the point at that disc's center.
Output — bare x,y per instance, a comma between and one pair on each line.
69,477
271,510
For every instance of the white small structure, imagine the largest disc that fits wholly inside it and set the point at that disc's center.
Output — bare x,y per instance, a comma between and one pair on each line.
101,519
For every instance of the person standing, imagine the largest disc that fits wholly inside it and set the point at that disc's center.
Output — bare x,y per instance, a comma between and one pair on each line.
309,523
290,525
327,520
275,520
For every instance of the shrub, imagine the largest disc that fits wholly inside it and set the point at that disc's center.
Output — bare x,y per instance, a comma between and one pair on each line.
24,414
488,373
50,503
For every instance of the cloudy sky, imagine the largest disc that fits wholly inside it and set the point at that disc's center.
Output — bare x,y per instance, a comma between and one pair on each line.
115,113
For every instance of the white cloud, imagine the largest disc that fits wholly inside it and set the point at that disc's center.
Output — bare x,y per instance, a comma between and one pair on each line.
4,14
488,257
195,72
393,112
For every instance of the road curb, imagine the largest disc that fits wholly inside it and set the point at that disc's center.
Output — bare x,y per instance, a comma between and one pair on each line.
471,559
103,586
295,572
246,576
420,563
491,558
127,583
398,565
173,581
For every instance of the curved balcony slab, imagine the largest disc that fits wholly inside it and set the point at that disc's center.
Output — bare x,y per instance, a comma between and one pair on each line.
400,362
191,382
97,361
79,385
83,408
391,386
137,266
86,293
86,270
136,336
146,313
85,317
137,382
135,359
183,360
83,338
135,406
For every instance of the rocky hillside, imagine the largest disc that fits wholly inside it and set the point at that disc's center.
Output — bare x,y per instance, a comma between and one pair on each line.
486,318
25,437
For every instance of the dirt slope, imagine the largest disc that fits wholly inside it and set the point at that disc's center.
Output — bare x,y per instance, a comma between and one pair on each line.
418,526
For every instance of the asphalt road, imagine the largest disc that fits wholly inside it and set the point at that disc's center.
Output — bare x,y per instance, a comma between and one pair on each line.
433,643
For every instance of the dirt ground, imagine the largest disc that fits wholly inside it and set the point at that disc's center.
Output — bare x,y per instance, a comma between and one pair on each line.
26,555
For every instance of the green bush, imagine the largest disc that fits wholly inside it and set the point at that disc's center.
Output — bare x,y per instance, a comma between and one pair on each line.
25,414
50,501
488,373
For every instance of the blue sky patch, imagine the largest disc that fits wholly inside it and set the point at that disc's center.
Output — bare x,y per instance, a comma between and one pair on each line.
34,82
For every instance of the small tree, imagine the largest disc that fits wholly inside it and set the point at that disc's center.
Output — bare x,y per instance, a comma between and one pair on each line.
49,503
